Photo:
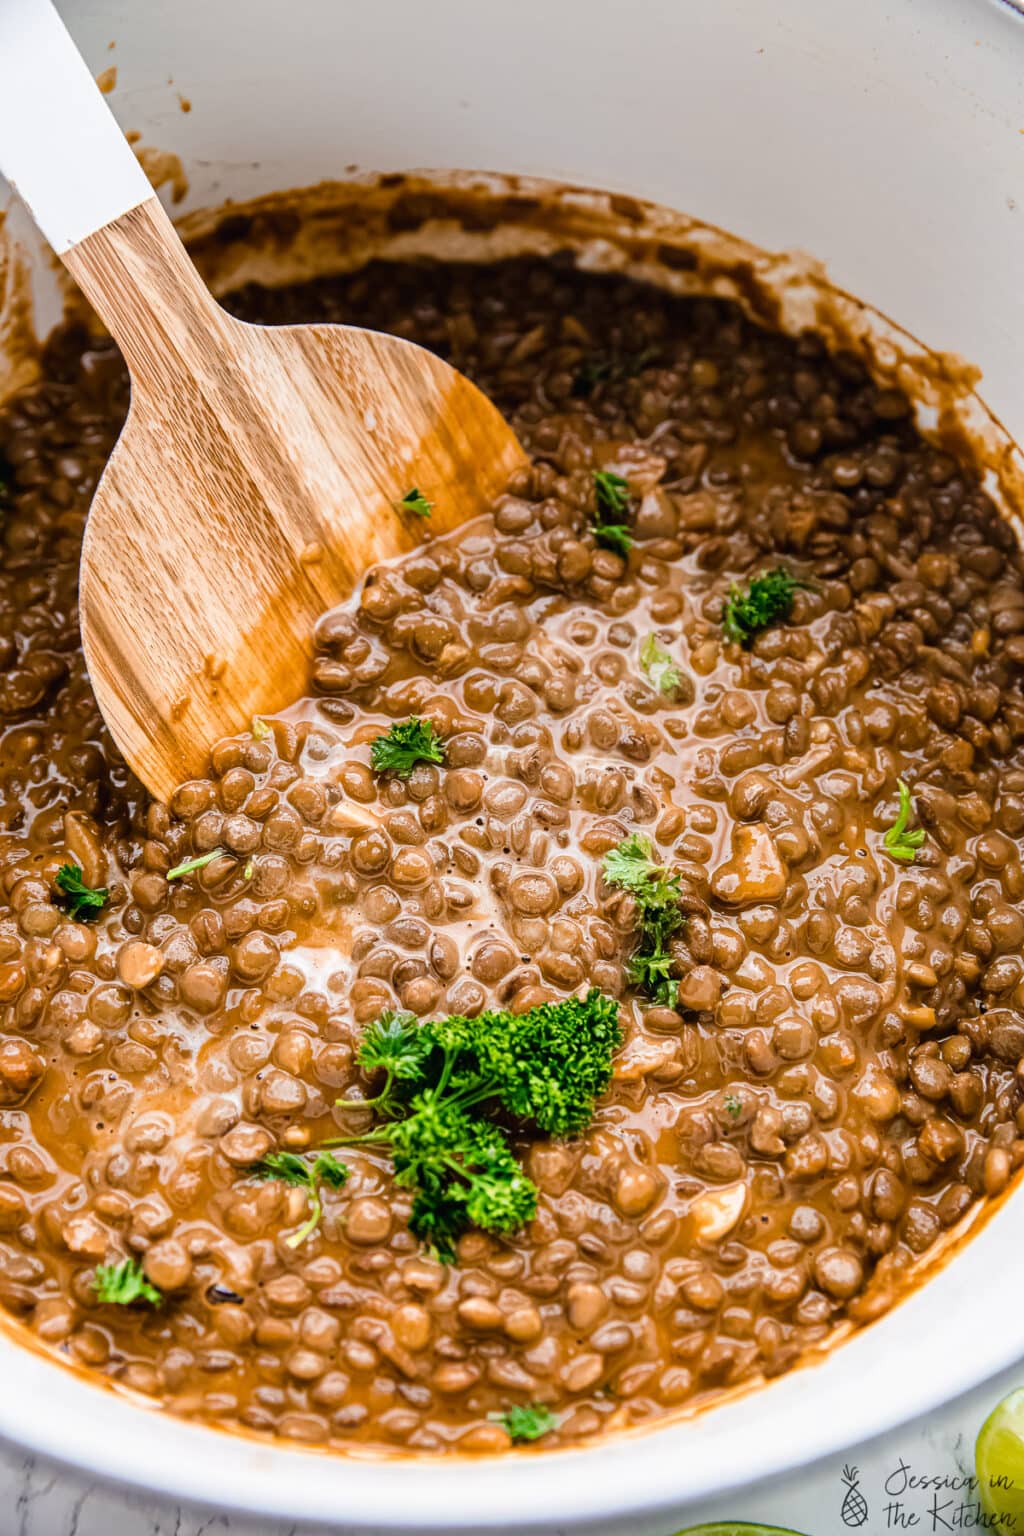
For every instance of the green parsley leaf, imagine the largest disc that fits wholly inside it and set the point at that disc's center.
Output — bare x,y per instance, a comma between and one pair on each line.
447,1080
611,492
80,901
768,600
613,536
462,1169
611,497
330,1170
193,864
631,866
665,676
121,1284
288,1167
407,743
415,502
301,1173
396,1045
649,968
733,1106
900,843
260,728
528,1423
545,1066
394,1042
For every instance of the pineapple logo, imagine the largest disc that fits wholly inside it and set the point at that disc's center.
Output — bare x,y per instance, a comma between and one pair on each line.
855,1506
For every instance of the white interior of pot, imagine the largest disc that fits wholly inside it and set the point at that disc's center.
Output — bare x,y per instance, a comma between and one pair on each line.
884,138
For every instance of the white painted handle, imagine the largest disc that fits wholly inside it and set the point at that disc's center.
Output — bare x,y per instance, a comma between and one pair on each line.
60,145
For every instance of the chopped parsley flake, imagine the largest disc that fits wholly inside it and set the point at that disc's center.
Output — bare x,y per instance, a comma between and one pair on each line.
526,1423
80,901
768,600
901,843
415,502
611,498
121,1284
407,743
665,676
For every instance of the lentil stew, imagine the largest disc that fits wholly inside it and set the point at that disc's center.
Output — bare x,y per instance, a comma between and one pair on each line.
819,972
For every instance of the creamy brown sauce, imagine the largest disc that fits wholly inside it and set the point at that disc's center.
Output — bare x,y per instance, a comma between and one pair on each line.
838,1082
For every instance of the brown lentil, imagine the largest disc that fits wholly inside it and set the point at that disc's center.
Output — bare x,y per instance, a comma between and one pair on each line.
838,1077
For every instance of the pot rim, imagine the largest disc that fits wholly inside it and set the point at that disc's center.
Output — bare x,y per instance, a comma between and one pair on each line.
823,1407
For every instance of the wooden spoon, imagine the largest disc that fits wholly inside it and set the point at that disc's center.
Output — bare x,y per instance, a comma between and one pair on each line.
257,474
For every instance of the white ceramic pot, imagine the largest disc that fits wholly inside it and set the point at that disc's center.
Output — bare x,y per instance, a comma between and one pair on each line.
885,137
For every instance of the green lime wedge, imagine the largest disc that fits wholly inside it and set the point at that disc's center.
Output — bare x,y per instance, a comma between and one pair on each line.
735,1528
999,1459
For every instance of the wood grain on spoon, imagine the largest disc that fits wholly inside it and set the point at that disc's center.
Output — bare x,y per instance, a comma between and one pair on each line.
256,476
251,488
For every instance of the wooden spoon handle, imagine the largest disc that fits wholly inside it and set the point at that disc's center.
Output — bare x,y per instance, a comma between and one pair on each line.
139,278
60,145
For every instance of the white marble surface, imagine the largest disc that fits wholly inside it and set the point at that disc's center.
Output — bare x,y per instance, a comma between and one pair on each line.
38,1500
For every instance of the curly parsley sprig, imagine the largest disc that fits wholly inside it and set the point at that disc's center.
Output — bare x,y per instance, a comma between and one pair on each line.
446,1082
631,866
394,1045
